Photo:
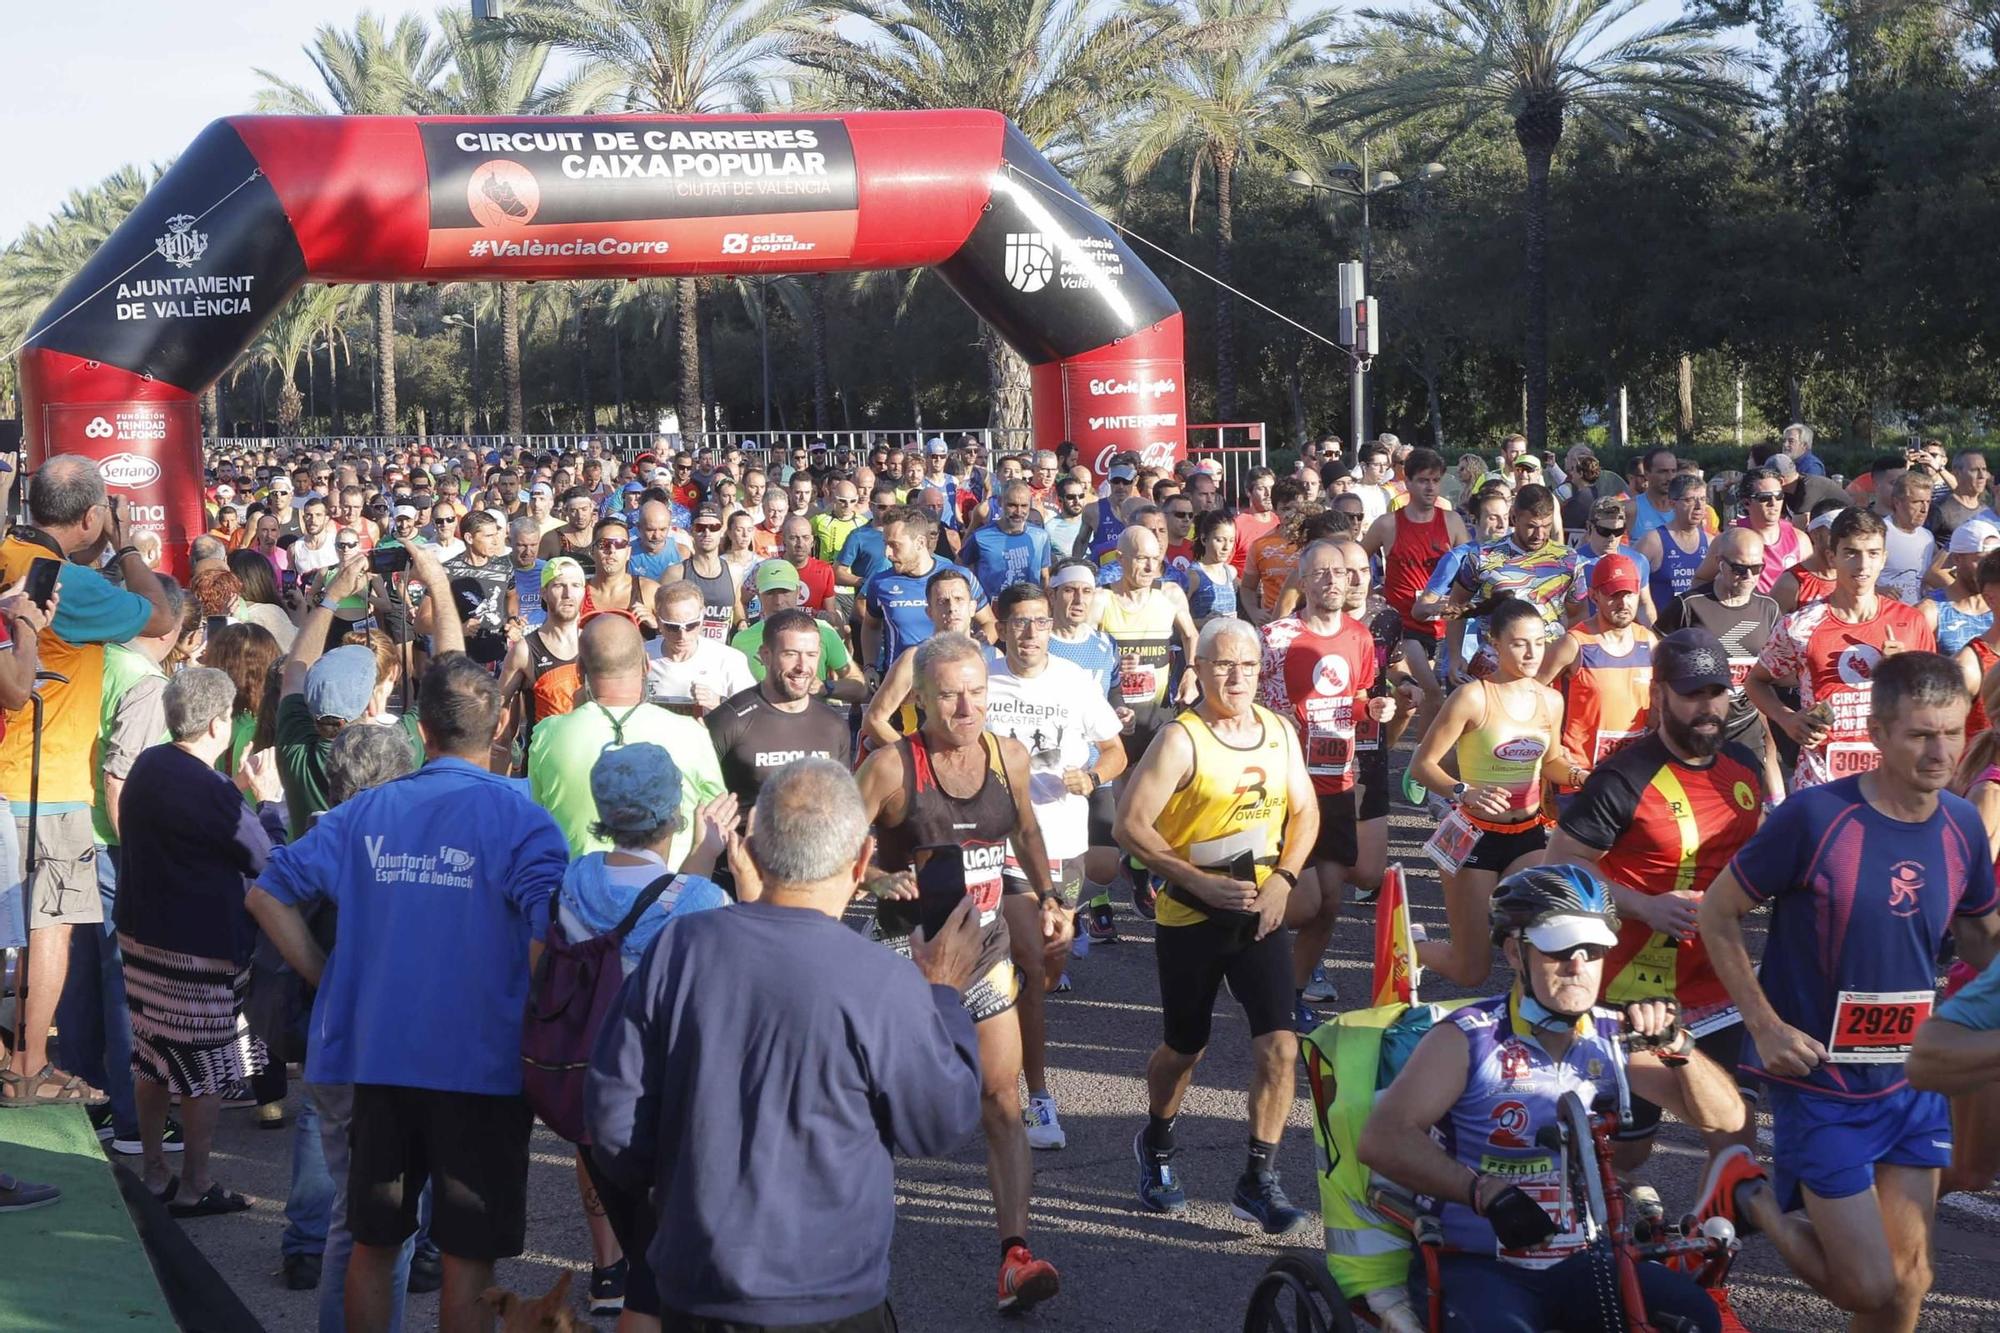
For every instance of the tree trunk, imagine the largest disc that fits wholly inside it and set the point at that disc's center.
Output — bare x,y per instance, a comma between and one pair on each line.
1007,383
211,411
1795,398
1225,269
290,404
385,359
333,384
510,359
1539,150
1684,414
1296,400
617,374
704,333
687,329
585,398
816,310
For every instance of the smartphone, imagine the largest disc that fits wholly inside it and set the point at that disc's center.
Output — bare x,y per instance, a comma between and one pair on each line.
389,558
43,574
215,626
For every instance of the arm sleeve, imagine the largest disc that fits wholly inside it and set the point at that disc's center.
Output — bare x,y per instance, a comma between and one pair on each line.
924,1068
92,610
251,845
1602,810
1445,575
1774,860
736,676
627,1069
141,720
831,650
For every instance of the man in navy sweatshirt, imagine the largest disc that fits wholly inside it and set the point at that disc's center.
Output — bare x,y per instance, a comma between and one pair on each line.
763,1067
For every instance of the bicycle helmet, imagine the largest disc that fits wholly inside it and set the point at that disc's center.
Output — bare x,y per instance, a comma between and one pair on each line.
1527,898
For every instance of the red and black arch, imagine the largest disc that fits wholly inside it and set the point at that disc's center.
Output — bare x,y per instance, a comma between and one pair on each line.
260,205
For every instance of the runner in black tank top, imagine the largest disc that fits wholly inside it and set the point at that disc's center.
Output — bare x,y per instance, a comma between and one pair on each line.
554,697
718,596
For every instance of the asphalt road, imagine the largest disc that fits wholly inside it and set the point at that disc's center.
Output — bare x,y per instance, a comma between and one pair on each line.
1122,1268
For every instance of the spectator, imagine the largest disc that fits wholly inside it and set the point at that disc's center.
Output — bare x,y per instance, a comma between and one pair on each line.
791,1087
442,880
258,600
189,844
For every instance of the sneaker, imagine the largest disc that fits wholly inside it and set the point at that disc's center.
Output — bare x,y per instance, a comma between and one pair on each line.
1365,897
426,1272
1261,1199
271,1115
1304,1020
1045,1131
238,1095
1732,1169
1145,895
1079,942
1159,1188
302,1272
1413,791
1101,928
1063,986
1026,1281
607,1289
100,1120
1320,989
170,1141
18,1196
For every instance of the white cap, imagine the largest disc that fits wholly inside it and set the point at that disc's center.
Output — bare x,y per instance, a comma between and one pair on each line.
1975,536
1560,935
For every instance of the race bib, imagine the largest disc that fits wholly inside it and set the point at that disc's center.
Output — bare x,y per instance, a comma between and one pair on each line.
1710,1018
1561,1208
982,878
1328,755
1452,843
1136,684
1876,1027
1846,758
1739,672
1608,743
1367,733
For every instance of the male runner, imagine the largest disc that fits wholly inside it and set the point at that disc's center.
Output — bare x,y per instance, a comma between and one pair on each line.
1373,740
1059,714
891,604
540,677
686,670
1007,550
1528,563
1221,807
1676,550
1742,618
1831,651
1064,523
1072,600
1605,664
950,785
778,720
892,709
1410,542
1864,874
1318,671
1605,536
722,599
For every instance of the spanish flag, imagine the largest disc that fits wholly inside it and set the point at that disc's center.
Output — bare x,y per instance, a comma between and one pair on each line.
1396,971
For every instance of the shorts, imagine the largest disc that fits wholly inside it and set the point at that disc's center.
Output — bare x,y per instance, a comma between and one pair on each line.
994,993
1725,1047
1831,1145
1103,812
1066,874
1374,778
1497,851
65,888
471,1146
1194,960
1425,638
1336,843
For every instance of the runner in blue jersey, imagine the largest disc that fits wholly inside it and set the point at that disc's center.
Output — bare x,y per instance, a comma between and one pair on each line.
893,618
1488,524
1008,550
861,556
1864,876
1462,1120
524,537
1107,517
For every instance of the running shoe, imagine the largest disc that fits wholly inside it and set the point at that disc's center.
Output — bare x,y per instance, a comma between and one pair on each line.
1063,986
607,1289
18,1196
302,1272
1261,1199
100,1120
1145,894
1732,1169
1365,896
1045,1131
1079,943
1304,1020
1413,791
1159,1188
1320,988
170,1141
1026,1281
1101,928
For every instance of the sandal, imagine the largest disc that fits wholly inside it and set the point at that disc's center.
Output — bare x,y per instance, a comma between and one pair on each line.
172,1188
32,1090
217,1202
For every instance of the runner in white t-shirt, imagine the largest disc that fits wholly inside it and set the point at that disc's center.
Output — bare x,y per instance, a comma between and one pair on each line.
1911,545
686,670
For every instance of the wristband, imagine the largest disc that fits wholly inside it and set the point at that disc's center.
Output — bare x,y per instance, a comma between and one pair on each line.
329,604
1286,875
124,551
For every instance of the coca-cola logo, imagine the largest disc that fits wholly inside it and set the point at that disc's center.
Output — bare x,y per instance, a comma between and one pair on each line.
1160,453
128,471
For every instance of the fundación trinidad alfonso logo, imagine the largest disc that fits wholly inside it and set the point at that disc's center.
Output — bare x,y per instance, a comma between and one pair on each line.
182,246
503,194
98,429
1330,676
1856,663
1030,262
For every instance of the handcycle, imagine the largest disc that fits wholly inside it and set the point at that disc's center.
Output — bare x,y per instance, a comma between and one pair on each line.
1375,1230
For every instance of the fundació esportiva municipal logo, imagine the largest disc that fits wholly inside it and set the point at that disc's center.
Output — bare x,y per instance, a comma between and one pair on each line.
1030,262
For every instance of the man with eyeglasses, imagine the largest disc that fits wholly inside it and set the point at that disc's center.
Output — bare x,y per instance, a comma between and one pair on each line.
1104,522
1604,537
1064,522
280,500
574,539
687,671
722,599
1741,619
833,524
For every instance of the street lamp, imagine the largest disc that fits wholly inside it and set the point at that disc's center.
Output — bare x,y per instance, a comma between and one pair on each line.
1356,182
456,321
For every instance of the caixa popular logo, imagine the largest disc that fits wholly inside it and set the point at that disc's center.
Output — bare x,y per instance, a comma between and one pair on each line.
128,471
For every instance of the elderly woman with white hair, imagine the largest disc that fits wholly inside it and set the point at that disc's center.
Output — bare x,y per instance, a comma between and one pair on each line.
191,846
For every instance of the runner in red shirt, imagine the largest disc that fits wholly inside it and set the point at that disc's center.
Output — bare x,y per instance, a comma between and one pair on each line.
1409,542
1830,650
1318,668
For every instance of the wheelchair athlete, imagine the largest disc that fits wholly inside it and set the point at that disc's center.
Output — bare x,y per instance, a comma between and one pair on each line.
1488,1077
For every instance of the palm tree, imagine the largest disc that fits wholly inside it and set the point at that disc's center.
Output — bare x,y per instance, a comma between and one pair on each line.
1059,69
367,72
1240,92
676,57
285,342
1535,62
493,79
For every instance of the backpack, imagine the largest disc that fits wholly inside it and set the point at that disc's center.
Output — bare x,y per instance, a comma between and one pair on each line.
573,989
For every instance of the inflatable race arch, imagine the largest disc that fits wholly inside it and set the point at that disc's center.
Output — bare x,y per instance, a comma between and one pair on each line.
260,205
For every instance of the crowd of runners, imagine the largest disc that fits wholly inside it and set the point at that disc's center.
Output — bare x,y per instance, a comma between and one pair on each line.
422,723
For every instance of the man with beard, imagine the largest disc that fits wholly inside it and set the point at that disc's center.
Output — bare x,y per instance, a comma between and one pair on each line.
1658,821
778,721
1604,664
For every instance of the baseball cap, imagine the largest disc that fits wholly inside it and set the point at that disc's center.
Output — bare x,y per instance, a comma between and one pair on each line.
937,447
1527,463
1122,472
709,511
339,685
555,568
632,488
1561,935
637,787
492,456
407,511
776,575
1614,573
1975,536
1689,660
541,488
1783,465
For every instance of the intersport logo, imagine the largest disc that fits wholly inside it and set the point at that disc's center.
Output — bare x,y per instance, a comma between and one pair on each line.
129,471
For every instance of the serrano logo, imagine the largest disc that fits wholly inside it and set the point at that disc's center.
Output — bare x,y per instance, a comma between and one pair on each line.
1030,263
98,429
1331,675
1856,663
128,471
1521,750
1906,881
503,194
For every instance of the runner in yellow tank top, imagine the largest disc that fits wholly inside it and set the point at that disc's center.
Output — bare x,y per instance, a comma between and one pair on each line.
1144,618
1229,808
1504,735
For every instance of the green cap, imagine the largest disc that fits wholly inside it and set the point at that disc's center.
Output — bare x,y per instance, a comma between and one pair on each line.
777,575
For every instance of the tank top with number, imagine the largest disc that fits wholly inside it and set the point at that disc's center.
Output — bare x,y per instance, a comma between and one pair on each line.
979,825
718,598
1605,693
1144,632
1104,534
1234,805
1504,750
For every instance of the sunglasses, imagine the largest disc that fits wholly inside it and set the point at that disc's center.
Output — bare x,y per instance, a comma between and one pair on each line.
613,544
1122,481
1610,532
347,546
708,527
1744,571
680,626
1766,497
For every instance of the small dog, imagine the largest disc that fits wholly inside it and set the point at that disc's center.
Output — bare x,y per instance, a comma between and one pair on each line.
549,1313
